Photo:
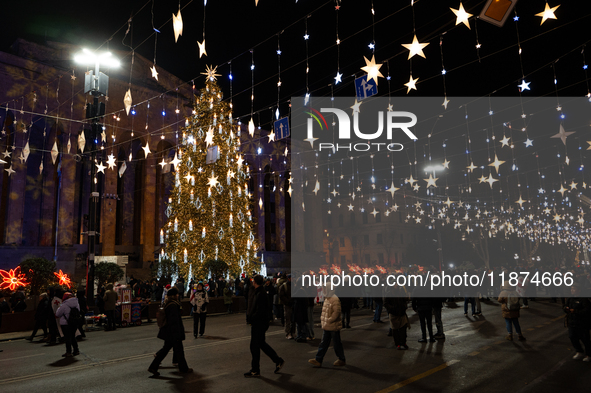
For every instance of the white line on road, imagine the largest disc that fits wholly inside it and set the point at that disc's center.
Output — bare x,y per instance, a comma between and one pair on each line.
22,357
144,339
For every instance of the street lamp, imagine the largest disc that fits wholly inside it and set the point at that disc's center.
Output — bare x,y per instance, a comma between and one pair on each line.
97,85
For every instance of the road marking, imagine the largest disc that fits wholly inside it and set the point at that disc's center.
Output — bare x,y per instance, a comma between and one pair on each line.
484,348
547,323
473,353
417,377
530,329
22,357
557,319
499,342
144,339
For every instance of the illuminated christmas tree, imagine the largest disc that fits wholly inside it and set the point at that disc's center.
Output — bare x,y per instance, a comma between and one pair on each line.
208,209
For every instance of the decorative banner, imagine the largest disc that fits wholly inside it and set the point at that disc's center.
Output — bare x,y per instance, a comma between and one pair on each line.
126,313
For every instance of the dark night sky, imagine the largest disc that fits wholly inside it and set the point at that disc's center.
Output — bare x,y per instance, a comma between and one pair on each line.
235,26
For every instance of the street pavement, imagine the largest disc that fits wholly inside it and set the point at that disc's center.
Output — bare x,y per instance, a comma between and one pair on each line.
474,357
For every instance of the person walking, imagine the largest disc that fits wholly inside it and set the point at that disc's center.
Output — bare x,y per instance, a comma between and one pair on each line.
346,305
110,300
396,306
437,307
199,300
173,334
228,298
509,300
331,323
424,307
285,297
83,310
41,316
578,322
69,302
258,310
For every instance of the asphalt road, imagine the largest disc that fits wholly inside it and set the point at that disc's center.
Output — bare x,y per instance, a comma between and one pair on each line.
474,357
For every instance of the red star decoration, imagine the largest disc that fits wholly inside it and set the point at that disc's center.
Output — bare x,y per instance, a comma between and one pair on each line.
381,269
63,278
12,279
336,269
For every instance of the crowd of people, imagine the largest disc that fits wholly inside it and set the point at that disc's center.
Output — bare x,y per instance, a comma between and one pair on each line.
60,314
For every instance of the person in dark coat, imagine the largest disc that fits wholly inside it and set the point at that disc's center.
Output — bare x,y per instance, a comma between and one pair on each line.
83,310
423,305
110,299
396,305
346,305
300,314
578,321
41,316
173,334
258,311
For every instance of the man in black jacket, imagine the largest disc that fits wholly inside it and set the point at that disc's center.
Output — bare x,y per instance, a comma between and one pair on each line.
578,321
173,334
258,313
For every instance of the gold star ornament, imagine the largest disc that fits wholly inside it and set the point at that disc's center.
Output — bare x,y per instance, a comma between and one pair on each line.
462,16
412,84
548,13
372,69
211,73
415,48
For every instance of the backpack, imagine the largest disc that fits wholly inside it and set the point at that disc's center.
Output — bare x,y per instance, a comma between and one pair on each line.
512,303
160,317
74,317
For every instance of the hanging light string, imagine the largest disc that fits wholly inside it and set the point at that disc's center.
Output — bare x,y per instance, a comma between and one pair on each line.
306,37
372,45
278,74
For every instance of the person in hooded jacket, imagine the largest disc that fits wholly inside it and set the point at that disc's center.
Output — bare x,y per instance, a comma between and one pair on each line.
199,300
173,334
69,302
331,324
510,306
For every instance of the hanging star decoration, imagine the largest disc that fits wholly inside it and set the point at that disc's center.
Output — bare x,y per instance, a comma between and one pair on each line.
356,107
338,78
505,141
372,69
146,149
122,169
63,279
392,189
490,180
10,170
573,185
202,50
316,188
163,163
548,13
410,180
496,163
412,84
111,161
100,168
177,25
251,127
431,181
445,164
471,167
209,137
154,72
520,201
175,161
445,102
54,152
271,136
562,190
213,180
528,142
415,48
562,134
524,85
26,152
461,16
211,73
12,279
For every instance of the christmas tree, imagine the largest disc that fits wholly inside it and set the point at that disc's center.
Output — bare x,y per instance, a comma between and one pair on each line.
208,210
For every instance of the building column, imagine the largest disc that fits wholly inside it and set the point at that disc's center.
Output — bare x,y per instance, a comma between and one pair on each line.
109,211
149,211
16,195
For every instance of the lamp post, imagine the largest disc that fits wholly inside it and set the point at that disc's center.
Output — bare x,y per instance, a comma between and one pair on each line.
96,84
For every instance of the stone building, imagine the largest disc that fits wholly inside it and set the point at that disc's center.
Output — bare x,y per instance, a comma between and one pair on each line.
44,203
